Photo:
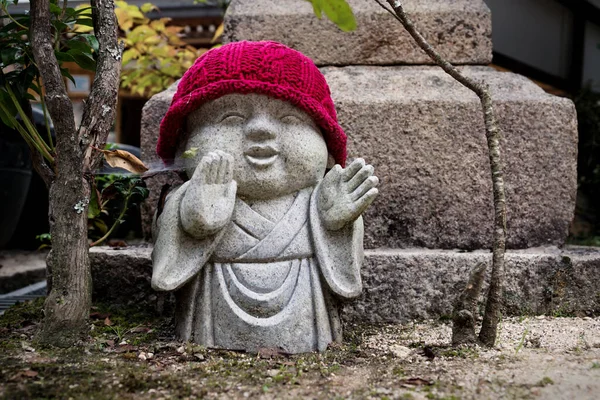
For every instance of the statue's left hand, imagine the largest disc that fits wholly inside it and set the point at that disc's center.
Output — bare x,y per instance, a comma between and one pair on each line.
345,193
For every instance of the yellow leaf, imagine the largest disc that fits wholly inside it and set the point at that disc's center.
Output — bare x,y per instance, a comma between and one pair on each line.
158,25
218,33
129,55
190,153
126,25
124,159
147,7
82,28
87,9
136,14
152,40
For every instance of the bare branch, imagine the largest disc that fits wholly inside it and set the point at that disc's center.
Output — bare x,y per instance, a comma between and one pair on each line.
43,170
58,102
492,312
100,107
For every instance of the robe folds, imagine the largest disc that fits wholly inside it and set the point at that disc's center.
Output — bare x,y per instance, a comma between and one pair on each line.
259,283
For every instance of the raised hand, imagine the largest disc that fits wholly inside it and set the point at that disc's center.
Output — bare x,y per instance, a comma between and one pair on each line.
208,203
345,193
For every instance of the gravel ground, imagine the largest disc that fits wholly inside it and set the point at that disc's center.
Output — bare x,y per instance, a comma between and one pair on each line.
535,358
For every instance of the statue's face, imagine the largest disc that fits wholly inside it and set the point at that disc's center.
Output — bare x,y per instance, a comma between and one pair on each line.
277,147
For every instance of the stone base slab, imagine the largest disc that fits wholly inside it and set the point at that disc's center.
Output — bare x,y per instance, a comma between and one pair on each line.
461,30
404,284
424,134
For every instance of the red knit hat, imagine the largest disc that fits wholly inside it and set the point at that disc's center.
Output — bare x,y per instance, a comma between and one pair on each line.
253,67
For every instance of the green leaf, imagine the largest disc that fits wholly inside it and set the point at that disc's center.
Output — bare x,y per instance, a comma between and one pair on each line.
6,119
64,57
142,191
91,40
100,225
80,45
66,74
85,21
190,153
8,105
60,26
83,60
316,7
9,55
54,9
340,13
94,208
35,88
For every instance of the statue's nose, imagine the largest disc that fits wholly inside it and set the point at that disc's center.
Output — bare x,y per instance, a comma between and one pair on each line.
261,127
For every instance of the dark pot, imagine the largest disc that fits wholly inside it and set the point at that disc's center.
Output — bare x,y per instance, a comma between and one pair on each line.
15,177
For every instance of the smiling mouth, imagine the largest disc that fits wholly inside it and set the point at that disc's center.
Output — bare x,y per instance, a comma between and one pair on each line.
261,155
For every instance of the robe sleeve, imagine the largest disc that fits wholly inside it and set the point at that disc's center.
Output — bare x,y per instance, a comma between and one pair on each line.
177,257
340,253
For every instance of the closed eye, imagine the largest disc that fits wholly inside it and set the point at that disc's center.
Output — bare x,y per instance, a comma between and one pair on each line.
291,119
232,117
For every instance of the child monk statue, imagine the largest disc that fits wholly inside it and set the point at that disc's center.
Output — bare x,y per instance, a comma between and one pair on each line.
265,238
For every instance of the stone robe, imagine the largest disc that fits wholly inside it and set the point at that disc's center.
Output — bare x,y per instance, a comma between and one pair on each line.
259,283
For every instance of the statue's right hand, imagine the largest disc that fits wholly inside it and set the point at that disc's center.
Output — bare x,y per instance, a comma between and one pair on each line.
208,203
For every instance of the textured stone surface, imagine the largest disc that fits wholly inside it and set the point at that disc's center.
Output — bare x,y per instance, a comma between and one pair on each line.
424,134
460,30
152,113
416,283
412,283
122,276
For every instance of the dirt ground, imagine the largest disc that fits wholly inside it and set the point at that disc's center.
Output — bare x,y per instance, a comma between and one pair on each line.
131,356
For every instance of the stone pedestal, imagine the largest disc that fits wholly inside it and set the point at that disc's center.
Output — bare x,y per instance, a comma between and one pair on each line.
460,29
401,285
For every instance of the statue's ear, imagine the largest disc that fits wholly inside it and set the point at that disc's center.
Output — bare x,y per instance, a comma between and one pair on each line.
330,161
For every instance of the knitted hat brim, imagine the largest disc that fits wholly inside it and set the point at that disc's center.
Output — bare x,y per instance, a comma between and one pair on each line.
173,124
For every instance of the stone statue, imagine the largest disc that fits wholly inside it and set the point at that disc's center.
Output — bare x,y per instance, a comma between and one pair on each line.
265,237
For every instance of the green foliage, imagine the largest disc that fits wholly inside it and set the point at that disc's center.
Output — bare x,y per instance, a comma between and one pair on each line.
19,74
154,56
112,196
338,11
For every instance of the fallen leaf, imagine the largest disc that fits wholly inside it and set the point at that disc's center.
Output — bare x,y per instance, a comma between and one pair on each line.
98,315
126,160
270,352
30,373
117,243
108,322
126,348
416,381
25,346
23,374
140,329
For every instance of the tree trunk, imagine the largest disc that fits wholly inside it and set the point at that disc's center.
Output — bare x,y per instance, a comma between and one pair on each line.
67,306
68,303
